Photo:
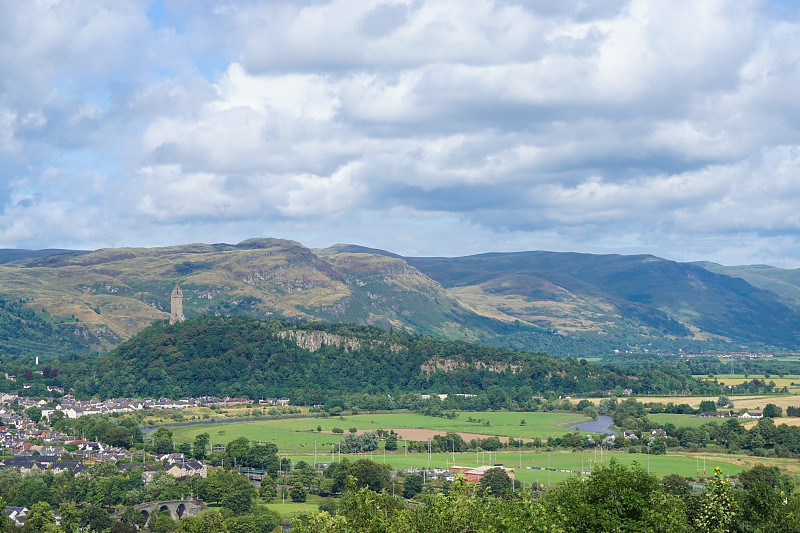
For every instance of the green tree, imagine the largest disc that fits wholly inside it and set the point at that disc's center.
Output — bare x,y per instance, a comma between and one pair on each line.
494,482
241,524
122,527
677,486
369,474
717,509
391,442
615,498
70,517
298,493
162,522
117,436
39,517
269,488
34,413
772,411
708,406
162,433
163,446
96,518
659,446
412,485
237,450
132,516
200,444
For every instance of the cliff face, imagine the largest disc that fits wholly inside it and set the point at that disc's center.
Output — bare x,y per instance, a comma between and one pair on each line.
314,340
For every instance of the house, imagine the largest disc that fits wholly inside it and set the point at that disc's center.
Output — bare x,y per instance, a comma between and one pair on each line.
17,515
188,469
713,414
751,414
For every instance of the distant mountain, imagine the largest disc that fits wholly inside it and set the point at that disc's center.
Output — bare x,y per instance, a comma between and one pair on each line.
781,281
563,303
576,292
10,255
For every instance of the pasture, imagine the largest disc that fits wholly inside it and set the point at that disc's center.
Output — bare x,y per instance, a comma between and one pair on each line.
300,434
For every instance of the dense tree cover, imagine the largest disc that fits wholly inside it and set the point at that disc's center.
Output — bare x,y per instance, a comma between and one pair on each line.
22,332
613,498
122,432
87,499
241,356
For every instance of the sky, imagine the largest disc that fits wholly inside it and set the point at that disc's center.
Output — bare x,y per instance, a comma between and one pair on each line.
422,127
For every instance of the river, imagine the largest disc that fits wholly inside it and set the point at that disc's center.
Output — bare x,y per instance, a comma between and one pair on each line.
602,424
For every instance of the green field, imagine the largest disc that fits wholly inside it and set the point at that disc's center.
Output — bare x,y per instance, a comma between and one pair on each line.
300,435
289,509
737,379
681,420
296,438
660,465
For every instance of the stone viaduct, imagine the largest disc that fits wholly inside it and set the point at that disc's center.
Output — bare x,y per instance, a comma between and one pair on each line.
177,508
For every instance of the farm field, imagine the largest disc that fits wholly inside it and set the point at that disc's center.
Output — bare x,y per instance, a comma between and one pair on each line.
532,462
787,380
299,434
692,421
753,402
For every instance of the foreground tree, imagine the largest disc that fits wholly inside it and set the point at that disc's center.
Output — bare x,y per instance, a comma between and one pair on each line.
616,498
717,508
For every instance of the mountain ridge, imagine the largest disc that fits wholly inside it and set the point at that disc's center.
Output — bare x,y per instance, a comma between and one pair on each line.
563,302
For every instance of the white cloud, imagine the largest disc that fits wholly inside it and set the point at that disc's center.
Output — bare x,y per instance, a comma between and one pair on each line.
648,126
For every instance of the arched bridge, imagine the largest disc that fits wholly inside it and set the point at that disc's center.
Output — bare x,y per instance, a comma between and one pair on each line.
176,508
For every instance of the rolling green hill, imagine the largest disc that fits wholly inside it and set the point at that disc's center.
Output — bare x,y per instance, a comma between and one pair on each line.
245,356
563,303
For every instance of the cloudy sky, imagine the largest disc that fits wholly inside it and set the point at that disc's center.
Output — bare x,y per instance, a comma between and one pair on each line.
424,127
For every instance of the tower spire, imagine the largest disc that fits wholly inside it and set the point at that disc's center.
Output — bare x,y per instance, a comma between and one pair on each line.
176,305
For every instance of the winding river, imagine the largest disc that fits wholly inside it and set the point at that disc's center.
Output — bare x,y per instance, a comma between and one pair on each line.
602,424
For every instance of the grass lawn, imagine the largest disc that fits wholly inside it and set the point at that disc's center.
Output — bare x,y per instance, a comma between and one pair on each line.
289,508
300,435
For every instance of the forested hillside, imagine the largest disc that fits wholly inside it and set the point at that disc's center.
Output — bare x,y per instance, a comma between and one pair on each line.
22,332
312,363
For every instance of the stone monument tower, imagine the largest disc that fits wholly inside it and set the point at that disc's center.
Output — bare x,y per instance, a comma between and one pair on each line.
176,308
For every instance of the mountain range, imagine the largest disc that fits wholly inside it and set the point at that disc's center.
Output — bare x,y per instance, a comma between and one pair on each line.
563,303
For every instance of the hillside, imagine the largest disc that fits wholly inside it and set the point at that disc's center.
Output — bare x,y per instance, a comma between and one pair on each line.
22,332
9,255
580,292
563,303
781,281
244,356
117,292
